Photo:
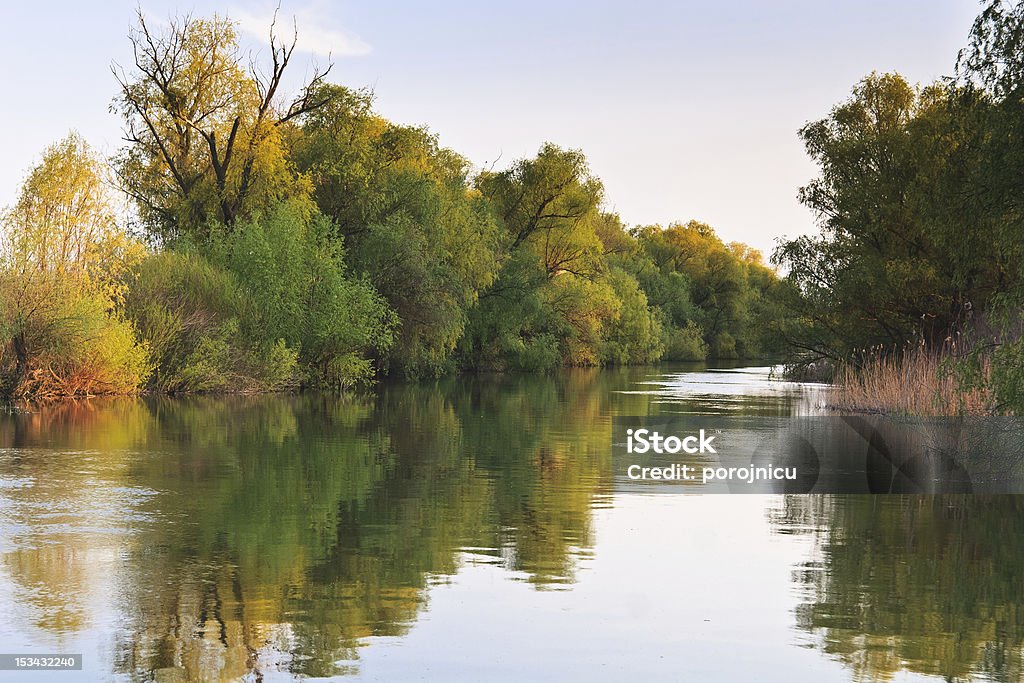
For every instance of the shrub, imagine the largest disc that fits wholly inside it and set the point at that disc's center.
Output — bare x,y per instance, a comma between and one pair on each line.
635,335
723,346
62,255
191,314
291,272
61,337
685,343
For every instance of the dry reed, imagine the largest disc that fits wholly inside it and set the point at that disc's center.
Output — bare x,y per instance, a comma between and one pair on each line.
916,381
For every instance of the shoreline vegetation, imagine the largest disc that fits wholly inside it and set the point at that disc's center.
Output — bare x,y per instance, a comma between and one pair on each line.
240,241
914,381
243,242
912,294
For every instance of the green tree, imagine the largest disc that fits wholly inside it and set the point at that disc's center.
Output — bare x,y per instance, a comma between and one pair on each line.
991,71
410,222
552,299
903,253
200,326
635,337
292,270
710,292
204,131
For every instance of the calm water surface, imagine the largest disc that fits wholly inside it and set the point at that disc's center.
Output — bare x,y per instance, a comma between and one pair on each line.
468,530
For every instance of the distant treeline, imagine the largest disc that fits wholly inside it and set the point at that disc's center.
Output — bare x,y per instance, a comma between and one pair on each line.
272,245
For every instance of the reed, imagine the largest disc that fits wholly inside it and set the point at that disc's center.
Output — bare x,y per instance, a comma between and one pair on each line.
914,381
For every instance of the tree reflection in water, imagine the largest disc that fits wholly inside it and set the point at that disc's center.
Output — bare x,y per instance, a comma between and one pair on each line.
248,532
928,584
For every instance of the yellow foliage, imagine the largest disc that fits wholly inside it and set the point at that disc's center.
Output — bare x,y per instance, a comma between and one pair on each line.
62,264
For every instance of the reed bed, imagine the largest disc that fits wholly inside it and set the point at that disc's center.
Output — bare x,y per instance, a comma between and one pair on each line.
916,381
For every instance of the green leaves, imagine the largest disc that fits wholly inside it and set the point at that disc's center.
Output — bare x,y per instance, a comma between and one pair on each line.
903,243
291,269
411,225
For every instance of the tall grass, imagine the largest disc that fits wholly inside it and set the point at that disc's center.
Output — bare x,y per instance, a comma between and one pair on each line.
914,381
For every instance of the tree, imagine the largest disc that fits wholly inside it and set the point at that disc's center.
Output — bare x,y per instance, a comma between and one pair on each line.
994,58
410,222
61,263
294,274
64,219
703,286
551,299
204,131
902,254
550,204
635,337
990,76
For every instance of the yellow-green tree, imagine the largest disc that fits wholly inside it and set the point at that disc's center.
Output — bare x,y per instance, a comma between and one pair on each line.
552,301
711,293
61,265
411,224
204,130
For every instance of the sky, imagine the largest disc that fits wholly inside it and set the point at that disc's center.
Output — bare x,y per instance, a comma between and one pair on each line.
685,110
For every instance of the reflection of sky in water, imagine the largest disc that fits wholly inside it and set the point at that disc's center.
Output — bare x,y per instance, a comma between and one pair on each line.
662,588
66,534
679,588
749,391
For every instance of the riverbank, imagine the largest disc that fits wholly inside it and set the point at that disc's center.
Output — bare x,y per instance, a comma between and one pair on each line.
389,381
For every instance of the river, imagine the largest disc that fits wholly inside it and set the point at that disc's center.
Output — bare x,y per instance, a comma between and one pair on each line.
470,529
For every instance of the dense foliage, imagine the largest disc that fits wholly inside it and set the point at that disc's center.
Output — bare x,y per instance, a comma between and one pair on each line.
314,243
922,240
62,264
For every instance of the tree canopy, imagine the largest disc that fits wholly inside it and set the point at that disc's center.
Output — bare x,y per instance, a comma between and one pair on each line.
280,242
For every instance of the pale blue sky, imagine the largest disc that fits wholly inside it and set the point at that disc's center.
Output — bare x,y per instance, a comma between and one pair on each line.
685,110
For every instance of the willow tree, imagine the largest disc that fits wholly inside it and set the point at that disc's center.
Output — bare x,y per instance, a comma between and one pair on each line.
62,258
906,248
552,299
64,220
203,124
410,222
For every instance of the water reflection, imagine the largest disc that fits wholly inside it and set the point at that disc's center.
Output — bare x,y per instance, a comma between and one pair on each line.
722,391
282,532
926,584
237,538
